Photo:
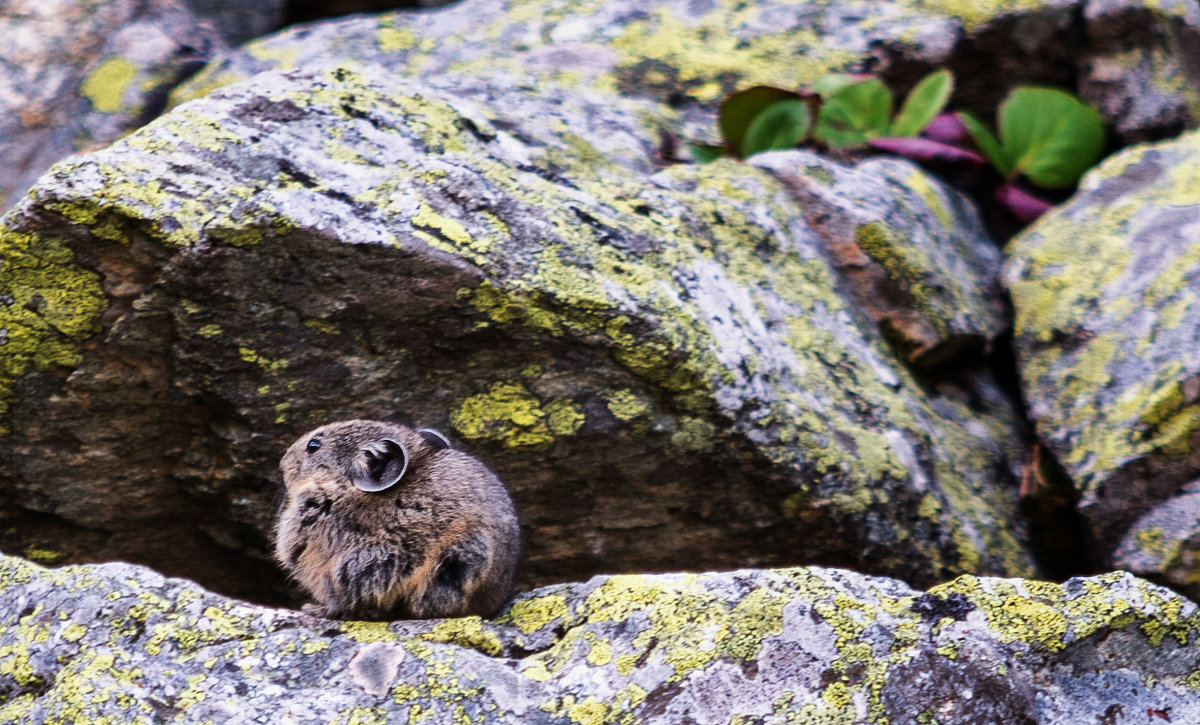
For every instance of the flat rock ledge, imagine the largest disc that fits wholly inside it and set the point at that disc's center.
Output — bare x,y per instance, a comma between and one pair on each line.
119,642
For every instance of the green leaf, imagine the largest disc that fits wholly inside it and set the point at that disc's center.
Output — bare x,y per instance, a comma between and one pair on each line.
705,153
740,109
855,114
986,143
924,104
781,125
826,86
1050,136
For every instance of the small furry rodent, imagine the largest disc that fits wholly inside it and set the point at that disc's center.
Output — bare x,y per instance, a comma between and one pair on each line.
382,521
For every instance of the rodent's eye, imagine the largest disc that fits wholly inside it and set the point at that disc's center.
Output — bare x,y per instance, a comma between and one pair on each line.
313,445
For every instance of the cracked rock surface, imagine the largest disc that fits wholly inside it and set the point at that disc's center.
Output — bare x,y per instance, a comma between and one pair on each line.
769,646
661,363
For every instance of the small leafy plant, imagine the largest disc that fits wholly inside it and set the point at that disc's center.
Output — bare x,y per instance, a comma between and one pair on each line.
854,112
1046,137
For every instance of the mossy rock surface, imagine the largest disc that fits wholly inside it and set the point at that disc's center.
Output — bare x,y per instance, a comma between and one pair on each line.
77,75
1130,59
1105,290
119,643
913,253
660,363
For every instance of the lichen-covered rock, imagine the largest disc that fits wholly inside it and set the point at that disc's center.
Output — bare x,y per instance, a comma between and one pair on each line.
77,75
914,253
1107,318
1141,67
659,363
1136,62
91,643
1164,543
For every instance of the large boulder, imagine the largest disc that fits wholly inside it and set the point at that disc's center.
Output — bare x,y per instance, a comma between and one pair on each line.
1135,61
660,363
77,75
119,642
1107,319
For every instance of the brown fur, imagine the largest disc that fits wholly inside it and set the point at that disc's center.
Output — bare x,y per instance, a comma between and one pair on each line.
442,542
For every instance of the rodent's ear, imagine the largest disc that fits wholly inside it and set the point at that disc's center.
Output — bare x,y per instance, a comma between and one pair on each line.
382,466
436,440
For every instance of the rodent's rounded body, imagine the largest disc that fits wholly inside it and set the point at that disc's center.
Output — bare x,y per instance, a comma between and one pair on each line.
382,521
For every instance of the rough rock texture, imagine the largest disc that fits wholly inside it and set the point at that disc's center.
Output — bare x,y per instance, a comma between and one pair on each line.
914,253
82,644
659,363
1137,62
239,22
1142,68
76,74
1107,296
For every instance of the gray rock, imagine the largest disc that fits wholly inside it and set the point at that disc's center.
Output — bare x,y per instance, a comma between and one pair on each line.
239,22
1107,318
1136,63
1141,69
913,252
816,645
660,363
1164,542
74,76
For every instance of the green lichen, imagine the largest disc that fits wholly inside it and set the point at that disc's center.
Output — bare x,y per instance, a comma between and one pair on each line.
511,414
530,615
465,632
51,308
692,54
105,85
626,404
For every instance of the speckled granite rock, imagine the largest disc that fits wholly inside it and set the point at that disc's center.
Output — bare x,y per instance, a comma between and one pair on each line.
76,74
81,644
659,362
913,252
1107,318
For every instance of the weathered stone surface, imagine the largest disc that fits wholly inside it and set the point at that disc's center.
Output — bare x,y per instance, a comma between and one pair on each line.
76,74
659,363
914,253
1141,68
239,22
1136,62
1107,317
81,644
1164,543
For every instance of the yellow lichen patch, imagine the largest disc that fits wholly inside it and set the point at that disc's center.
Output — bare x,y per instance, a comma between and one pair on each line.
757,616
694,53
530,615
43,556
626,404
105,85
444,227
465,632
685,623
54,308
510,413
369,632
975,13
391,39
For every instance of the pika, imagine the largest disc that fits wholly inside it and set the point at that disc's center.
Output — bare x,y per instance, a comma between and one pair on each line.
381,521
